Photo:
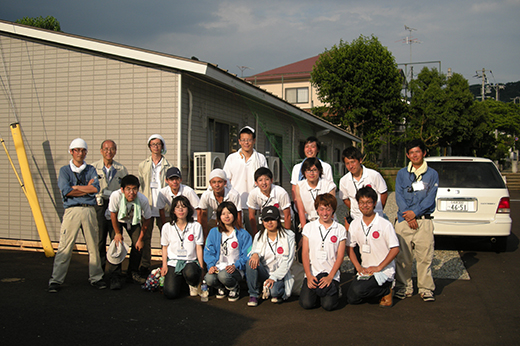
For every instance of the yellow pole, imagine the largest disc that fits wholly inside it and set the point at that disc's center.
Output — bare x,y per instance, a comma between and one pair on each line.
30,191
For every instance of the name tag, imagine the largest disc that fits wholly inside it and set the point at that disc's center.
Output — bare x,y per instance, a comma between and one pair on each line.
154,185
418,186
322,255
365,248
182,252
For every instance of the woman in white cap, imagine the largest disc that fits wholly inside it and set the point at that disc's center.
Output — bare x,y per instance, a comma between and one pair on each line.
271,258
182,250
217,192
226,252
152,177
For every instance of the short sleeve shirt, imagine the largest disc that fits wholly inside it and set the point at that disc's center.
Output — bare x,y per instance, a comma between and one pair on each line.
208,200
182,244
308,195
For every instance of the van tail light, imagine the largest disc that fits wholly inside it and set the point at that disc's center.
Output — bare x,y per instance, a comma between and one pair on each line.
503,206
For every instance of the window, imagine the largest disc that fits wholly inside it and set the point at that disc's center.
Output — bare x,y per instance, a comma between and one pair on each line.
297,95
222,137
273,145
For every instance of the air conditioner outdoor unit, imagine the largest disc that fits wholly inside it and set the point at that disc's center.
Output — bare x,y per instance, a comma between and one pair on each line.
204,163
274,165
339,168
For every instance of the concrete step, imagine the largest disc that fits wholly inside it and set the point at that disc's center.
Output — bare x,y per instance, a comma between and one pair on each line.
513,181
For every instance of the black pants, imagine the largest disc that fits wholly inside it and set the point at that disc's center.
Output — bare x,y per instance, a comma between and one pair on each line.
362,290
310,300
173,282
105,228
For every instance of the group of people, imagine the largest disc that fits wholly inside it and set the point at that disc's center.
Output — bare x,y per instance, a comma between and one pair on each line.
242,226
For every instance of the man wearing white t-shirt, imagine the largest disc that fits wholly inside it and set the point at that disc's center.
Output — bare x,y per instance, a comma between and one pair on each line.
240,168
311,148
174,189
359,176
379,246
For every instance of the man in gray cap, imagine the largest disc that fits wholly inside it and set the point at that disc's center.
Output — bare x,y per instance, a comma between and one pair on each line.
78,185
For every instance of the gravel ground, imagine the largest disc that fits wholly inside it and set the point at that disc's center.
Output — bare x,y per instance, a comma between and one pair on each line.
446,264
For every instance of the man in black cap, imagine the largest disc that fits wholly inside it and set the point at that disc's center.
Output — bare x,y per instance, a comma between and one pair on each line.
174,189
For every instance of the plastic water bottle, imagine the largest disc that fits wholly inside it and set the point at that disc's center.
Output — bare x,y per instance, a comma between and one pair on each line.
204,292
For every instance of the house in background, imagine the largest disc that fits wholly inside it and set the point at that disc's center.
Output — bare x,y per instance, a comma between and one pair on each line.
60,86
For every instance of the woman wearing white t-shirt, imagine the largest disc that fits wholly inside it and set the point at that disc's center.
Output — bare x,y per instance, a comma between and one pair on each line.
226,252
309,188
182,243
271,257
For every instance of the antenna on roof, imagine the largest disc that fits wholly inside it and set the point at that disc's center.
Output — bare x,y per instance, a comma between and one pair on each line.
242,69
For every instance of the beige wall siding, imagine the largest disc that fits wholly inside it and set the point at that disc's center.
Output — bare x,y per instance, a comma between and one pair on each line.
60,94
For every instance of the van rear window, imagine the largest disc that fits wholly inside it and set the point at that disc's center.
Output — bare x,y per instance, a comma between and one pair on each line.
468,174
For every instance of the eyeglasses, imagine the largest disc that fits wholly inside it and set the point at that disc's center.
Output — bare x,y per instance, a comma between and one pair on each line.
78,150
246,140
314,170
365,203
106,150
156,144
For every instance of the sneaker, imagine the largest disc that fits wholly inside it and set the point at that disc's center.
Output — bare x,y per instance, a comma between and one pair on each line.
253,301
234,294
276,300
115,284
221,293
194,291
100,284
54,287
403,294
428,296
138,279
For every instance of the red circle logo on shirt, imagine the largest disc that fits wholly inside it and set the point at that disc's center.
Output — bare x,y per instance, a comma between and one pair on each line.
191,237
234,245
368,185
276,205
280,250
333,239
375,234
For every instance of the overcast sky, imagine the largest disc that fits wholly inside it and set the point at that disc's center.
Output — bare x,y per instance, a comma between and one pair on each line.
465,35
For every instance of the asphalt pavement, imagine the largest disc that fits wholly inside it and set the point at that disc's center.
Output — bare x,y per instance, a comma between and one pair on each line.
484,310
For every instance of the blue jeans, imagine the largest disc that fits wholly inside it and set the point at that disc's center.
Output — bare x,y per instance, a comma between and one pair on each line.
223,279
255,279
173,282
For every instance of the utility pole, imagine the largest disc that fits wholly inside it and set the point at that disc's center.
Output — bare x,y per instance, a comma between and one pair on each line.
483,87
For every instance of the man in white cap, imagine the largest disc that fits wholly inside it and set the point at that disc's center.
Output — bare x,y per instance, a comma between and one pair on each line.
217,192
110,173
78,184
152,175
240,168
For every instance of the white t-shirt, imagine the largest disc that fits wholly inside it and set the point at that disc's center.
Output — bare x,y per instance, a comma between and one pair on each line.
229,251
327,172
182,244
308,195
379,236
208,200
115,201
278,198
241,173
164,200
329,238
348,187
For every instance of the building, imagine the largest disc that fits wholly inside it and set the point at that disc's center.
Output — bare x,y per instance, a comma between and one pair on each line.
60,86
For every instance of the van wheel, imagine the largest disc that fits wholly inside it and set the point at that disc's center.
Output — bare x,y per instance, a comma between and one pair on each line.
499,244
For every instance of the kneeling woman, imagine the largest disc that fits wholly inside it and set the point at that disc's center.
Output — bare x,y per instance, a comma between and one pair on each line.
271,259
182,243
226,252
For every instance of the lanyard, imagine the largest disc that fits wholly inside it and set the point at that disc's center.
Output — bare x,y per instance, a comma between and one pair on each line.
224,246
78,180
275,244
312,195
324,237
367,232
266,202
183,234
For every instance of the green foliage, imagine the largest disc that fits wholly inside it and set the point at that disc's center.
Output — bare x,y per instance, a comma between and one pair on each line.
49,22
440,109
360,85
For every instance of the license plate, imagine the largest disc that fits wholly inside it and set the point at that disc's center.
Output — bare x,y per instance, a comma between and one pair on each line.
457,205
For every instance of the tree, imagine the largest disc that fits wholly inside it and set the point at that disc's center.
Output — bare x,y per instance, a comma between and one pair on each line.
360,85
439,111
49,22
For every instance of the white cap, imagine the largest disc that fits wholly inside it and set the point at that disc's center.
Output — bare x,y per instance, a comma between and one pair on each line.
157,136
78,143
218,173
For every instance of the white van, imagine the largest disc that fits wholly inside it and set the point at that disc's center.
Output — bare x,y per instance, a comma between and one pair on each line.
472,199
